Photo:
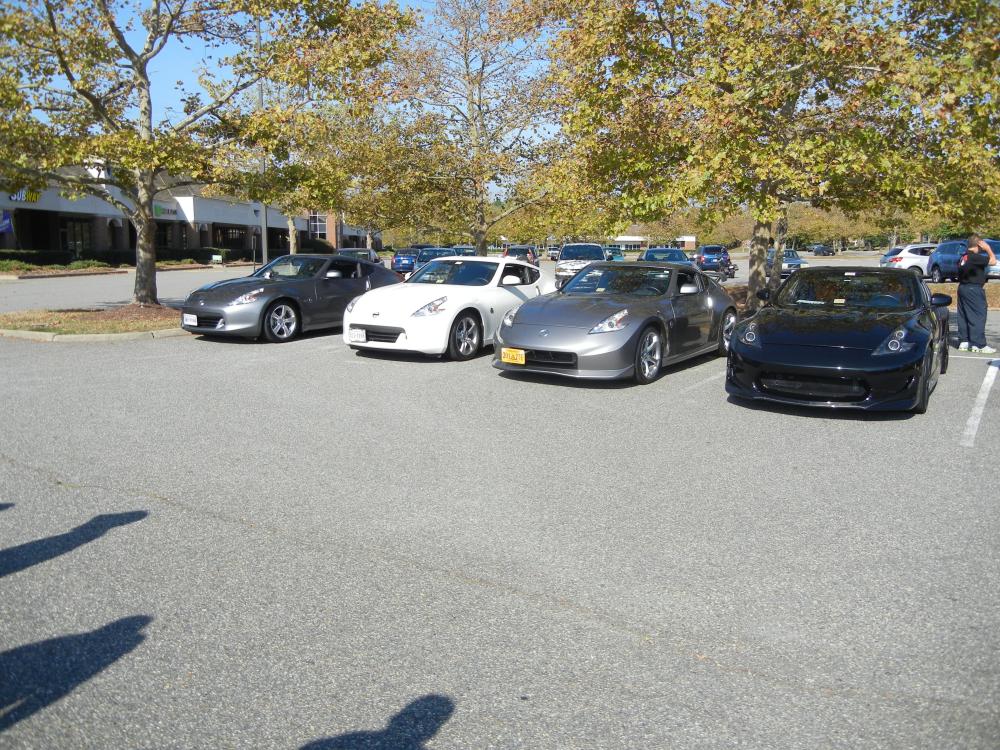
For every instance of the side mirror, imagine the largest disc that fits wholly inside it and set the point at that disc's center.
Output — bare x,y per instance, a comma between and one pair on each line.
764,294
334,275
940,300
689,289
510,280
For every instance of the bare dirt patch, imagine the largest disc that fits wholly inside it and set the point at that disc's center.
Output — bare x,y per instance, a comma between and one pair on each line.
124,319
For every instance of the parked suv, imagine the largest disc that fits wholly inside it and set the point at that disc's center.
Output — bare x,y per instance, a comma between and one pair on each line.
707,257
522,252
573,257
943,261
791,261
911,257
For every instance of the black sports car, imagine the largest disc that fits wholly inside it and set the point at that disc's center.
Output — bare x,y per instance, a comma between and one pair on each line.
858,338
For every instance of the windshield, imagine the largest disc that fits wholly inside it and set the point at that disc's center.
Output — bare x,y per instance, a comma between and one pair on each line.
791,254
582,252
711,249
672,255
406,251
519,252
995,246
603,280
436,252
850,289
458,272
894,251
290,267
359,254
463,250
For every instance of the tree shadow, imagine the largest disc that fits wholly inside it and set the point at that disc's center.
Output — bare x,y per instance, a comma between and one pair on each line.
417,723
261,341
37,675
6,506
14,559
561,381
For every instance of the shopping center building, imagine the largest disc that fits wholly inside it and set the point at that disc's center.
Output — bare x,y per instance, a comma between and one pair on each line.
88,227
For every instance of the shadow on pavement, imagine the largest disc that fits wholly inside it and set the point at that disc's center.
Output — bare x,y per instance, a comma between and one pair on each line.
14,559
560,381
408,730
819,412
6,506
37,675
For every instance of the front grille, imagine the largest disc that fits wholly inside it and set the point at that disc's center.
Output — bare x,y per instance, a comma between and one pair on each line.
814,389
381,334
209,321
549,359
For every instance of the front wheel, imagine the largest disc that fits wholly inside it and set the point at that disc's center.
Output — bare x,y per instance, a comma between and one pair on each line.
936,276
281,322
726,331
648,356
463,342
923,392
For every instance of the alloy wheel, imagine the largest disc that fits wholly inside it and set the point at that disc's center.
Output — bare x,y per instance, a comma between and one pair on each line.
467,337
283,322
650,355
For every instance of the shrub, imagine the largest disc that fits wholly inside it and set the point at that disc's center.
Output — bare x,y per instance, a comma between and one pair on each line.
15,266
78,264
38,257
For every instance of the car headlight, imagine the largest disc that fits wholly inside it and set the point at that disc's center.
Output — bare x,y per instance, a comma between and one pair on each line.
508,318
612,323
431,308
803,264
749,335
351,304
895,344
246,299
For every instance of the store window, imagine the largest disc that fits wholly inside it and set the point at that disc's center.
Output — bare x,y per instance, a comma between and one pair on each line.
75,236
317,226
163,234
231,237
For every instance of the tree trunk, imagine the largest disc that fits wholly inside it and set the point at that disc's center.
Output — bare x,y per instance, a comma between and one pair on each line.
758,252
780,232
145,249
293,236
369,239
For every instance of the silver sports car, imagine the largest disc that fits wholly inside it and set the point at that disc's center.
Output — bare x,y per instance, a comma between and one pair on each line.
614,320
291,294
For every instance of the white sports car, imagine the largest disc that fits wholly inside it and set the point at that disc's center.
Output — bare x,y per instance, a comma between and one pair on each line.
451,305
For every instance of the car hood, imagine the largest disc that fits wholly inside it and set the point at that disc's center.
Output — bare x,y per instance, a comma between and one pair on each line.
230,289
583,311
574,265
844,329
407,298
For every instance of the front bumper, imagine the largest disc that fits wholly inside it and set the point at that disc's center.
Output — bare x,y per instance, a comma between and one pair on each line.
224,320
833,378
569,352
425,335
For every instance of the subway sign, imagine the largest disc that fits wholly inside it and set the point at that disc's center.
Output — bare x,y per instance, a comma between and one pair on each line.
25,196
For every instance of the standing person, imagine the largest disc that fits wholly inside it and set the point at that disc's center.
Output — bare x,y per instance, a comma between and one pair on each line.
972,276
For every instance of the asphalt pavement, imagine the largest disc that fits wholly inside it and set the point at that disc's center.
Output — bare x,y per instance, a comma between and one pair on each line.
227,544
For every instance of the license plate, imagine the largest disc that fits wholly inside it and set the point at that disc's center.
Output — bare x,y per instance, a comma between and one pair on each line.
358,335
512,356
189,320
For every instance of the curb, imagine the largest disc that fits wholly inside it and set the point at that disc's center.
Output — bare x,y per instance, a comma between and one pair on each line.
67,275
166,333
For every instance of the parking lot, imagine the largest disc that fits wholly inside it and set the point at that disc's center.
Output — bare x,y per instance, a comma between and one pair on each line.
230,544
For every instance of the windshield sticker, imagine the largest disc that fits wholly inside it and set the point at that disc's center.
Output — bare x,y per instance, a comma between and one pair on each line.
839,301
849,273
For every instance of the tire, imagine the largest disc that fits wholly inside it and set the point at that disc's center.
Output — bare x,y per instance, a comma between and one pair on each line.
918,269
648,356
945,356
936,276
281,322
465,337
726,326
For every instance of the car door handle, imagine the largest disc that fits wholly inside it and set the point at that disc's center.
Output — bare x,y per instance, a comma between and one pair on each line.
368,284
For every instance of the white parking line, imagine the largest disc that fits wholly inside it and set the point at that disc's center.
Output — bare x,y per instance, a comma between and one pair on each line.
700,383
972,426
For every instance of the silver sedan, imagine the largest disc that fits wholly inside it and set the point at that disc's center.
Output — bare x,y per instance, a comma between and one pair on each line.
616,320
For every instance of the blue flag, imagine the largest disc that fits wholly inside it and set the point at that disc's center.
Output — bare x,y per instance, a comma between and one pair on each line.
6,225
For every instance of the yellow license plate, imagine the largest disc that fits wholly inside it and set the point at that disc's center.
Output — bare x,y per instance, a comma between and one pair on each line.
512,356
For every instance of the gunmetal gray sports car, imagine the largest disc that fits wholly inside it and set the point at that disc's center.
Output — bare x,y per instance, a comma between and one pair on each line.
615,320
291,294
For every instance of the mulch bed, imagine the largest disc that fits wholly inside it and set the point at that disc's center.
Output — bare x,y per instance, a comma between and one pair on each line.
123,319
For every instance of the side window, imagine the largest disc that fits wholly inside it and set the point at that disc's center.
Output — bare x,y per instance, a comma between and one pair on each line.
348,270
533,275
513,269
365,269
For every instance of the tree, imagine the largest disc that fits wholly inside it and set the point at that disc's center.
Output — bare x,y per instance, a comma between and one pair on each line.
79,89
484,79
756,104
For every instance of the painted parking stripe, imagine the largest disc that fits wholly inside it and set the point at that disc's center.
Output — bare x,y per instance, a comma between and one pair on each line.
700,383
972,426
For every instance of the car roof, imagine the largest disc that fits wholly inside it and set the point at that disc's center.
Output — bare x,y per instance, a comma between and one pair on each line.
495,260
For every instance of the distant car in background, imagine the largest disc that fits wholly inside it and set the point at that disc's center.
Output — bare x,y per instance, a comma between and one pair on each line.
819,249
943,261
465,250
910,257
403,259
523,252
791,261
614,253
361,254
707,257
575,255
553,252
665,255
430,253
994,270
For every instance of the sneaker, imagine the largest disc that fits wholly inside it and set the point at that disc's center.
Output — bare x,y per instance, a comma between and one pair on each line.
983,350
964,346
